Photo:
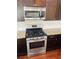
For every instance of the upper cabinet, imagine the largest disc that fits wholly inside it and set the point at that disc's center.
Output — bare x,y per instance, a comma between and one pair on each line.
20,11
41,3
53,9
34,3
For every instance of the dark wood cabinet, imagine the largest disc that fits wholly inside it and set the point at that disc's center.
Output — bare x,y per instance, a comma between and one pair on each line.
53,8
58,41
53,42
53,11
21,46
20,11
34,3
28,2
41,3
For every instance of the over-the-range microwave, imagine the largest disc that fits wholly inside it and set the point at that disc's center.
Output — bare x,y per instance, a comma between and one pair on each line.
34,13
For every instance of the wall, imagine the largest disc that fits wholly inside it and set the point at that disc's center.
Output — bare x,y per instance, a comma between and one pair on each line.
51,24
44,24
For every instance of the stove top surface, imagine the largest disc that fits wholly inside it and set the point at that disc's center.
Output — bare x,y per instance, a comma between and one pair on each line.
35,32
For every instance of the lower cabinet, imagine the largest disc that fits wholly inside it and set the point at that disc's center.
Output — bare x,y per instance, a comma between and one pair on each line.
53,42
21,46
58,41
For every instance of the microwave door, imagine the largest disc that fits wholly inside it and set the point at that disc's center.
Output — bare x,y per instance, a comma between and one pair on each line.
32,14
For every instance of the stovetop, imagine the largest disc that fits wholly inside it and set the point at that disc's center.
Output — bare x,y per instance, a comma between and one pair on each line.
35,32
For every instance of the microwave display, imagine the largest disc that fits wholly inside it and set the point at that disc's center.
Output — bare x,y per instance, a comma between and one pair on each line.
37,44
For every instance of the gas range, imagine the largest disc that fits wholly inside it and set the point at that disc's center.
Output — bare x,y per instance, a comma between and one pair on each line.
35,32
36,41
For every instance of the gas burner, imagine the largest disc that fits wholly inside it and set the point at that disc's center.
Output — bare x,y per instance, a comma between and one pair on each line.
35,32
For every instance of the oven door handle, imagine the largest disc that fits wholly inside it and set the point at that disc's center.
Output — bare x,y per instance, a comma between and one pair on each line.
36,40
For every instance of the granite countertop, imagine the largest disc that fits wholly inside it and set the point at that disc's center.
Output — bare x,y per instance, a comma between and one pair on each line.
20,34
53,31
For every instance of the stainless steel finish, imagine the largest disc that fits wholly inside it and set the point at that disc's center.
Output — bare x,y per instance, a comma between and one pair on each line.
36,41
35,51
39,9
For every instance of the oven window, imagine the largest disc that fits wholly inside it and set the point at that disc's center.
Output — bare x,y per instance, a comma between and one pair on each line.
32,14
37,44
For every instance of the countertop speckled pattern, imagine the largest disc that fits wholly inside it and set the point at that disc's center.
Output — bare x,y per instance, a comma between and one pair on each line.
53,31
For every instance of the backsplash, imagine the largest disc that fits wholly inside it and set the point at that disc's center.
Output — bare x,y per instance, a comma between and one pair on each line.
43,24
51,24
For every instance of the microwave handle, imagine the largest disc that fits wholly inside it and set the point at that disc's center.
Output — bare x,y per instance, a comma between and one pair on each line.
41,14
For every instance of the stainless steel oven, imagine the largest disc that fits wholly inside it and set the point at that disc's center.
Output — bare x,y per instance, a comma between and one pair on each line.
34,13
36,40
36,46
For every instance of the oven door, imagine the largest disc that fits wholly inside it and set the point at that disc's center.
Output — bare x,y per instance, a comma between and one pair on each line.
36,43
36,46
33,45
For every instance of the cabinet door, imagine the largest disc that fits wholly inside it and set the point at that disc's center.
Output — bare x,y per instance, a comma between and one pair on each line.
28,2
38,3
51,9
20,11
51,43
21,46
58,41
58,11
